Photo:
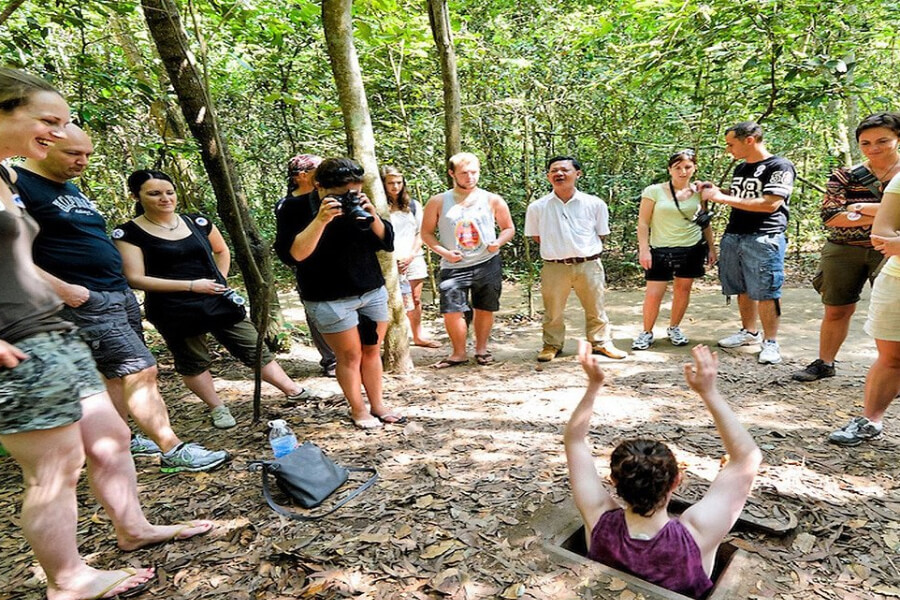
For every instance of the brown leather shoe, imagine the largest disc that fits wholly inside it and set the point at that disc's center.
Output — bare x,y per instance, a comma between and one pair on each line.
548,353
608,350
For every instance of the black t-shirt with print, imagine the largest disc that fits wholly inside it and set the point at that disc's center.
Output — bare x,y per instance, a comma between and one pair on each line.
771,176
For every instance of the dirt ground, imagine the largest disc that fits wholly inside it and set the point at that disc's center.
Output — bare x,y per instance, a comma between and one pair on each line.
482,456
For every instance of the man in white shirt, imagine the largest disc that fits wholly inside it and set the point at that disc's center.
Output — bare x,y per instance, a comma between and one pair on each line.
569,226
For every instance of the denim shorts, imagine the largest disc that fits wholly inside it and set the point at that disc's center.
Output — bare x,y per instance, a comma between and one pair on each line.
335,316
110,324
45,390
191,354
483,281
752,264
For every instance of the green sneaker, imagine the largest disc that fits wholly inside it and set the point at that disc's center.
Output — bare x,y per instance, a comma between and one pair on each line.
191,457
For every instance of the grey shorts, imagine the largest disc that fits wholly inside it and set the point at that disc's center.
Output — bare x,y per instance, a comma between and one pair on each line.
335,316
752,264
483,281
191,355
45,390
110,324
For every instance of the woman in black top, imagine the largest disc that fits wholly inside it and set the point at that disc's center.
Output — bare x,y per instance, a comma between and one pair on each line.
181,262
332,235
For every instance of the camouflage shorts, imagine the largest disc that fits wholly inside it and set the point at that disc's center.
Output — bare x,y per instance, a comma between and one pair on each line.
45,390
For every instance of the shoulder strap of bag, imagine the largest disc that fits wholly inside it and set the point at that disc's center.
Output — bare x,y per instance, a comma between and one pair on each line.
281,510
204,241
866,177
677,205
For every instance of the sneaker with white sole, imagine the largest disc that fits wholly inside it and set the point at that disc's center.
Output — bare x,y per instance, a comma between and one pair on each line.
856,432
817,369
741,338
643,341
221,417
770,353
677,337
141,446
191,457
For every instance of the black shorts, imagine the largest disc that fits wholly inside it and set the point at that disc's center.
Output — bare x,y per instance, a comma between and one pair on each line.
686,262
483,282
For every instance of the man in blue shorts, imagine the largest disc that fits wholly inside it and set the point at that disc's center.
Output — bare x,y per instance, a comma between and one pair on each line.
84,268
751,252
466,219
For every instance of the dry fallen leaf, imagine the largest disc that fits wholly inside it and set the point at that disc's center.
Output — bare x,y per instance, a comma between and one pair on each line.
516,590
616,585
438,549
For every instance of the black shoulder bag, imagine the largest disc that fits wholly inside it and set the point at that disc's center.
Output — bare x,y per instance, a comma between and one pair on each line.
864,176
220,310
309,477
701,219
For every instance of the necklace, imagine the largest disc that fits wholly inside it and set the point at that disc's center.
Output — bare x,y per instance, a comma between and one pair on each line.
161,226
886,173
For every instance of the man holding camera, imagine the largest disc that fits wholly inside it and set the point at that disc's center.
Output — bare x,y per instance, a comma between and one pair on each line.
466,218
751,252
84,268
569,226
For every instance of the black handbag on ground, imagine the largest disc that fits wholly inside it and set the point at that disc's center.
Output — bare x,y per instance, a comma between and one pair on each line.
309,477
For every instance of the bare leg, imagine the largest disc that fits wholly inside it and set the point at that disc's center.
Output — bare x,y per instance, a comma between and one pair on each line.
139,396
681,297
482,323
415,315
202,385
455,323
653,296
273,374
51,461
834,329
883,380
371,373
348,350
749,312
770,318
113,481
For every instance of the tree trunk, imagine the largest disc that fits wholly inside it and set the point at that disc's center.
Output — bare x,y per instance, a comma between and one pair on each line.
337,22
251,251
438,16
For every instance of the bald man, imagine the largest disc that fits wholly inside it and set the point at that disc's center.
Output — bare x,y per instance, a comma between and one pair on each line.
81,263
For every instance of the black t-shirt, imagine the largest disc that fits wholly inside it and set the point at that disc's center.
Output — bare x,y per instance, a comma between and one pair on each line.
771,176
344,262
72,244
185,259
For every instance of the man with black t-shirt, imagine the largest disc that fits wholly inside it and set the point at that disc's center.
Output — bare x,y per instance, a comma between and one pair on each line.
751,253
84,268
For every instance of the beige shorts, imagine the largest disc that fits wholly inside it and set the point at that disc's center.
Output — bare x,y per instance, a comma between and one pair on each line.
883,322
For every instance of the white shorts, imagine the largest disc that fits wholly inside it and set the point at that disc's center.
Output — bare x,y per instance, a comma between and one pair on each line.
883,321
418,269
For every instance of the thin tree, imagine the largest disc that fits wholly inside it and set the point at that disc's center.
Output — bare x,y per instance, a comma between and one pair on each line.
338,24
439,17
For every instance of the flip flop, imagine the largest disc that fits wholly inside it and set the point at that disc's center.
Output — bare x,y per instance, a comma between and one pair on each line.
180,534
429,344
391,419
446,363
484,359
130,592
368,424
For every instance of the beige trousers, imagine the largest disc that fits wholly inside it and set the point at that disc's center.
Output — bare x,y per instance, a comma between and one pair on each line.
588,281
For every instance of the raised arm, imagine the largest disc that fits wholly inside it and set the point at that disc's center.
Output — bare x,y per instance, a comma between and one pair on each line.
591,497
305,242
768,203
710,519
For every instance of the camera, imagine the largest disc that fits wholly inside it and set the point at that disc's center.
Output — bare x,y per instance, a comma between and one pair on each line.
236,298
351,205
702,218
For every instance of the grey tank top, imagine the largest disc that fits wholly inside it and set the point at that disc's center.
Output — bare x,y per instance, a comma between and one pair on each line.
28,305
468,227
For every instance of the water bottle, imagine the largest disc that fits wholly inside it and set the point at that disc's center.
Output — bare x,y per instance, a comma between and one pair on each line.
281,438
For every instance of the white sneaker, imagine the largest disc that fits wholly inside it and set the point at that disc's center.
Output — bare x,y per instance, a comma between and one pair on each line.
769,355
677,337
741,338
643,341
221,417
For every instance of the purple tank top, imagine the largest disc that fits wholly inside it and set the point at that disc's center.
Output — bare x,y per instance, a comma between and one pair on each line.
671,559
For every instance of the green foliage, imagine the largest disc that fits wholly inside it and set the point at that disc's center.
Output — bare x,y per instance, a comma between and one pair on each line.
619,83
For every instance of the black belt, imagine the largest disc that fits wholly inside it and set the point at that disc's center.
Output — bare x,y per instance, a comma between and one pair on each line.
572,261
